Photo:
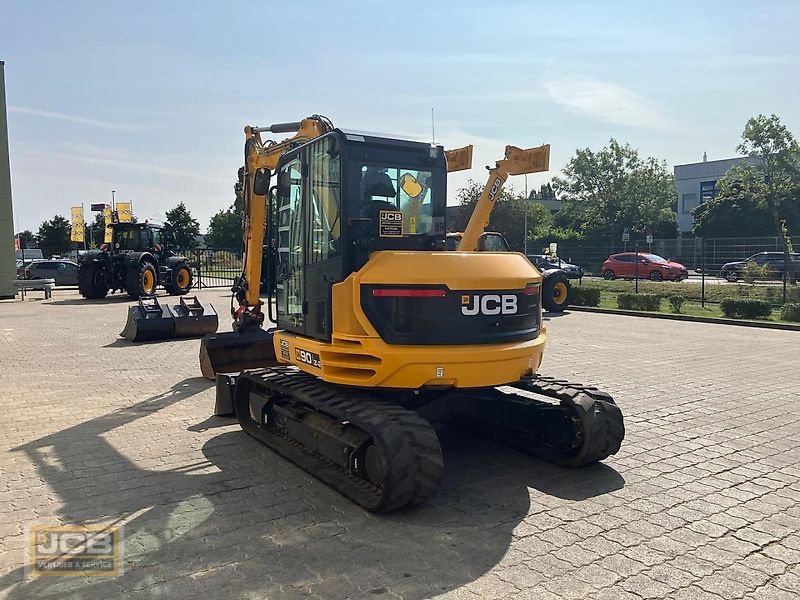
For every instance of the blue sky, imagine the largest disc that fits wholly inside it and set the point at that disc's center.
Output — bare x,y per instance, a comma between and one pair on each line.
149,98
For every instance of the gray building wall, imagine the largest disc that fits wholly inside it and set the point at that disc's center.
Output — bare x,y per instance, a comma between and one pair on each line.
697,182
8,271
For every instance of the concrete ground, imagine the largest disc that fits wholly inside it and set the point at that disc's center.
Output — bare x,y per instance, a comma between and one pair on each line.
701,502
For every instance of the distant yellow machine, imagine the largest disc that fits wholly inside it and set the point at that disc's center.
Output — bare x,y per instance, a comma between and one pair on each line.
379,331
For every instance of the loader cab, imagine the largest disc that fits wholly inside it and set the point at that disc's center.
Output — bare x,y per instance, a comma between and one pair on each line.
138,237
339,198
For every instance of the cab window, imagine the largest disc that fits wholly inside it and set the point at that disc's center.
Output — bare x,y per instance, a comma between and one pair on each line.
325,181
492,242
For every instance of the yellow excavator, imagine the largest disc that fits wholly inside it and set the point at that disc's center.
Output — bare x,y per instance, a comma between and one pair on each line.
379,333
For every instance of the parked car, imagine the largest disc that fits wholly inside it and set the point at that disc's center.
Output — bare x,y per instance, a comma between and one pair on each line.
651,266
732,271
543,261
65,272
24,264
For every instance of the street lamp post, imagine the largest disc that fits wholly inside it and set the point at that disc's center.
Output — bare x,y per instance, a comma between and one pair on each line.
525,243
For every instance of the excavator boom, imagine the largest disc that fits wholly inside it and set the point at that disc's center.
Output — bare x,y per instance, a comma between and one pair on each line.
516,162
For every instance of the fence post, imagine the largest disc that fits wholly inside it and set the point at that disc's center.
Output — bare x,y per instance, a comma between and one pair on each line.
636,277
199,262
703,273
784,286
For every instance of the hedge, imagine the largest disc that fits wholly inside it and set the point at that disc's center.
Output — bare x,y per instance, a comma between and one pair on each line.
745,308
692,291
676,302
583,296
791,311
651,302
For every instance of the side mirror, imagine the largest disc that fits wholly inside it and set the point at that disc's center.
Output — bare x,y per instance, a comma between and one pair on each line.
261,182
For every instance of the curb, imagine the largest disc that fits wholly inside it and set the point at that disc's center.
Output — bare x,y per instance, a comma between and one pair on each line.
674,317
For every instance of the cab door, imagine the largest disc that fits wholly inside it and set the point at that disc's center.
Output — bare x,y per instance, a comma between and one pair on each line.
290,273
323,256
309,244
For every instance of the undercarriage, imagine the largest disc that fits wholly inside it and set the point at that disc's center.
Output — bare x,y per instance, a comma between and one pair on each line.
380,449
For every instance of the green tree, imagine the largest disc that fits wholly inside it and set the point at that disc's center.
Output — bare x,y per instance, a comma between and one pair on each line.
225,230
605,191
27,239
95,232
739,206
778,154
183,226
53,236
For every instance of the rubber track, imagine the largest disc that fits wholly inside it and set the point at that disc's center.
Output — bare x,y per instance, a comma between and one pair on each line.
598,420
412,455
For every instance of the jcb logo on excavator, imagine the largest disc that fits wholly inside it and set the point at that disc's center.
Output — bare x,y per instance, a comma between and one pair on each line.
495,188
488,304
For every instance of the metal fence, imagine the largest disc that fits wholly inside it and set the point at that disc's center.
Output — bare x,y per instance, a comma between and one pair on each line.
216,267
695,253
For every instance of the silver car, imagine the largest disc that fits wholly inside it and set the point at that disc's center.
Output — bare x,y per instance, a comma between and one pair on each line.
65,272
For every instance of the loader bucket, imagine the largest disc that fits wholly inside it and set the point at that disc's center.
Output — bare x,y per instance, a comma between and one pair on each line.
148,321
235,351
193,319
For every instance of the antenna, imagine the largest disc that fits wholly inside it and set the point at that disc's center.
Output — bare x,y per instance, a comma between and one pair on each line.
433,129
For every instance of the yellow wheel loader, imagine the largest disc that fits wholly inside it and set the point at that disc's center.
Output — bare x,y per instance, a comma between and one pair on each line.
380,332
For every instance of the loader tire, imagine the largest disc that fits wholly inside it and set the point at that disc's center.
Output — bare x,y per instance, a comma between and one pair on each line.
181,280
142,280
92,281
556,292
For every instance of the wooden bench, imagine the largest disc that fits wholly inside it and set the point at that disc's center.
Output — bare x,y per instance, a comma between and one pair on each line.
35,284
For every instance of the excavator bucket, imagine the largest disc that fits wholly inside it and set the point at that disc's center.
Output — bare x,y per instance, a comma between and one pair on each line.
233,352
193,319
148,321
459,159
529,160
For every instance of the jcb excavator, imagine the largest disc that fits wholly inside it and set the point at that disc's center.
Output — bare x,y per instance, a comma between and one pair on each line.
379,332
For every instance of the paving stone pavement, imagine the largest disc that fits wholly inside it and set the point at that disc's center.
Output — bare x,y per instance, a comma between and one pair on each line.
701,502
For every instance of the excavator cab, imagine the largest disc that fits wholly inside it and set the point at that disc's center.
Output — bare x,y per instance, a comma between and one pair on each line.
340,198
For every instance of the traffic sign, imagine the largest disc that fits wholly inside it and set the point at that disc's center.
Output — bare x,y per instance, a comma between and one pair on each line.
649,238
626,235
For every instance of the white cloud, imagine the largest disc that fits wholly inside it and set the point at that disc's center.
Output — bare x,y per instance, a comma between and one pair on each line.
607,102
86,173
22,110
129,161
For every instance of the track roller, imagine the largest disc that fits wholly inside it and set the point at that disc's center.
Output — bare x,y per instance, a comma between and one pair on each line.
379,455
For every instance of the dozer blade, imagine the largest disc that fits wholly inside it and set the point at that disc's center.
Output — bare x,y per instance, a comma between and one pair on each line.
234,352
193,319
148,321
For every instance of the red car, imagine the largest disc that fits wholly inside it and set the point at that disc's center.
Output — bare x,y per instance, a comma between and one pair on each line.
651,266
